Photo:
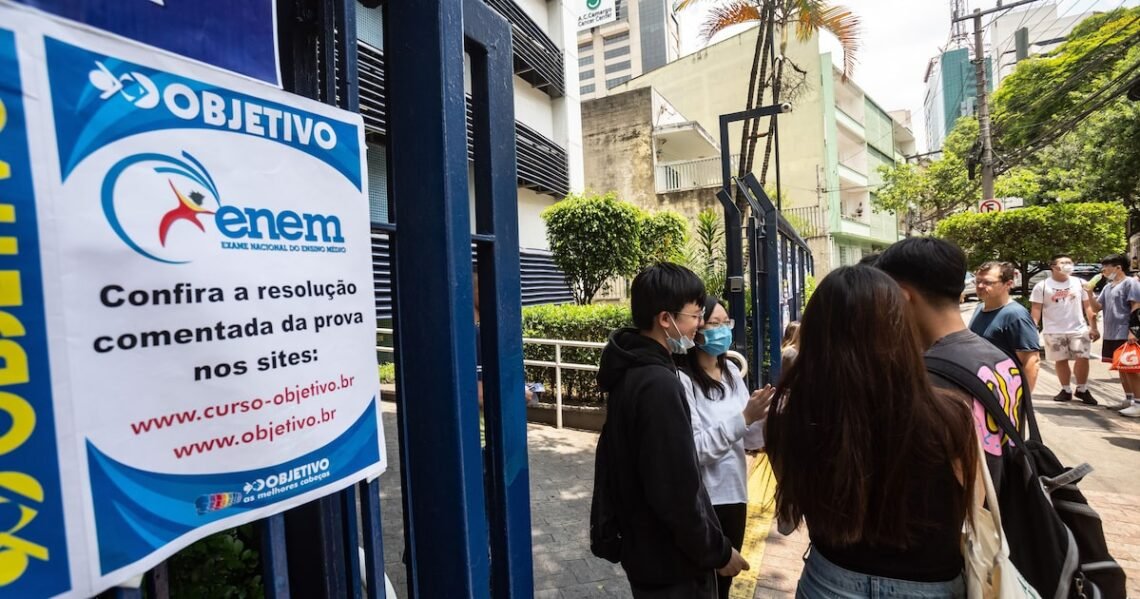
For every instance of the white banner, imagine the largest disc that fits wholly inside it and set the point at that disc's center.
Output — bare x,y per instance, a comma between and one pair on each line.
592,13
187,325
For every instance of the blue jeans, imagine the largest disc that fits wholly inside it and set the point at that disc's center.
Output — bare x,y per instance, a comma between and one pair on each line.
822,579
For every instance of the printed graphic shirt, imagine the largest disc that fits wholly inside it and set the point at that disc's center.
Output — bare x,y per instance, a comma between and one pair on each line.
1061,302
995,369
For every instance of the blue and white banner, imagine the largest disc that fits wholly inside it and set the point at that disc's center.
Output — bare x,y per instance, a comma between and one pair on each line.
187,327
240,36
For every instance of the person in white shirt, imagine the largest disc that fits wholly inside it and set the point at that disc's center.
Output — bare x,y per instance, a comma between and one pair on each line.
1060,305
726,422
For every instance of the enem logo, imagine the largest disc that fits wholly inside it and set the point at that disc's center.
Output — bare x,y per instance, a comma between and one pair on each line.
164,207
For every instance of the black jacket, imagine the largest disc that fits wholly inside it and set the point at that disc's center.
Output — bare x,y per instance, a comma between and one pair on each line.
670,532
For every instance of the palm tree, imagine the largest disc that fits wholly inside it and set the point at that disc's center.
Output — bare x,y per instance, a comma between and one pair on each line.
808,17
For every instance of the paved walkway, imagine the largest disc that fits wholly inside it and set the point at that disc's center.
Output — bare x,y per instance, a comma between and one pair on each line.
561,471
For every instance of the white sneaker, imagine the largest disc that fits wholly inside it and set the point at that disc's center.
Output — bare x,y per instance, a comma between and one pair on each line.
1122,405
1133,412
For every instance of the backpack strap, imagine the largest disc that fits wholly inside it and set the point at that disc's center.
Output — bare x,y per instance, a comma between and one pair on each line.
967,381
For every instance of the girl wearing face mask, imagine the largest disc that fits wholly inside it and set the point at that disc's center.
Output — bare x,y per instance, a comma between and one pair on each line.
726,422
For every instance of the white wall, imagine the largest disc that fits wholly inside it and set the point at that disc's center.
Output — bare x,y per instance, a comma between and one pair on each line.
533,108
539,12
567,113
532,230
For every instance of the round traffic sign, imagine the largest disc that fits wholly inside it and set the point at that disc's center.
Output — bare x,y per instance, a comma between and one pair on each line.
990,206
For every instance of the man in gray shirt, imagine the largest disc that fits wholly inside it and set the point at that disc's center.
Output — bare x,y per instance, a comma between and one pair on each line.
1119,298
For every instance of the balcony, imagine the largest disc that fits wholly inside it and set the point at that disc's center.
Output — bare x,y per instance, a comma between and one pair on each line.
538,60
542,165
691,174
808,221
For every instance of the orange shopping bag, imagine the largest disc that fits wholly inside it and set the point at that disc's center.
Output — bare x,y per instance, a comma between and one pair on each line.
1127,357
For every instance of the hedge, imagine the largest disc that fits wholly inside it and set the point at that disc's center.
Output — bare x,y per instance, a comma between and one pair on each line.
571,323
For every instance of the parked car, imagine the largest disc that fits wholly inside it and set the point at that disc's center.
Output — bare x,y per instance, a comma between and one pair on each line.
1086,271
970,290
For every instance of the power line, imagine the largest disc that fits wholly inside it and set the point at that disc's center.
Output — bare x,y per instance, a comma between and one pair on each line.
1064,87
1059,130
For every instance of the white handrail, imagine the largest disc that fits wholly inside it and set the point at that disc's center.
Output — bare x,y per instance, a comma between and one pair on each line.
558,365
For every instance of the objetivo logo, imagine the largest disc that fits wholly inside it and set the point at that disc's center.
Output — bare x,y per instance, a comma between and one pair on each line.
134,87
154,203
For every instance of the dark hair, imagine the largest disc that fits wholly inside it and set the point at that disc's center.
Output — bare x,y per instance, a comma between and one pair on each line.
663,287
1115,260
935,268
852,452
1005,270
1057,257
870,259
710,387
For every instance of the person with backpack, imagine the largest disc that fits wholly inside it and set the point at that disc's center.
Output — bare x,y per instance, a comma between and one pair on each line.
651,511
726,422
929,271
878,462
1056,539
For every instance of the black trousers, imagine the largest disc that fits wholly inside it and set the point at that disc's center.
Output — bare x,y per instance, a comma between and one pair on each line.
732,519
703,587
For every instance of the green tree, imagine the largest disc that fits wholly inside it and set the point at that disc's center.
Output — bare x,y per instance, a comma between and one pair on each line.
928,193
663,236
593,238
1028,237
1038,109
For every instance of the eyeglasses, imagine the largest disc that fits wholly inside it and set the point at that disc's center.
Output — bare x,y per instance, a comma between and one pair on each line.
698,315
985,283
730,323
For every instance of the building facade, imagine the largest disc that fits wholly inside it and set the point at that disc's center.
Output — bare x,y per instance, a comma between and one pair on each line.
1045,30
547,132
645,36
654,140
951,93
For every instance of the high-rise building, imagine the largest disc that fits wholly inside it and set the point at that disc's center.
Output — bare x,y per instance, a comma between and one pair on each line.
1045,31
646,35
951,93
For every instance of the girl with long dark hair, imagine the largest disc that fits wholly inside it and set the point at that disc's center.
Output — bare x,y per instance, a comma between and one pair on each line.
726,421
877,462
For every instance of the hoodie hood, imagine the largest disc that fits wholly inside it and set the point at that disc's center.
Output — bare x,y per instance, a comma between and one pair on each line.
627,348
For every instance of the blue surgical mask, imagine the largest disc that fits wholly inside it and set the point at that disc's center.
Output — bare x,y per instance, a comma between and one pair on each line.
682,344
717,341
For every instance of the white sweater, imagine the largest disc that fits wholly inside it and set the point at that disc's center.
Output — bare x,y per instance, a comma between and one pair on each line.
721,437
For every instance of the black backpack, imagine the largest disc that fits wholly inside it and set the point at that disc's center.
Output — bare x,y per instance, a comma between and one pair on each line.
1056,539
605,533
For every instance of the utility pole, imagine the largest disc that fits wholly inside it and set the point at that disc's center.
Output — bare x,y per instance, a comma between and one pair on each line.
983,110
983,98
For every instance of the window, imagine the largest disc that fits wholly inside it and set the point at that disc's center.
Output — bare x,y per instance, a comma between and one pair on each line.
586,89
616,67
614,39
610,83
586,47
585,61
622,51
377,183
584,75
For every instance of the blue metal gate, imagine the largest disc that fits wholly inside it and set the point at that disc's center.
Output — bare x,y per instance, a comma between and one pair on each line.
466,510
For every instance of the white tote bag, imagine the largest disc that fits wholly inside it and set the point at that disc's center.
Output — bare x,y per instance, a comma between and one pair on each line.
989,574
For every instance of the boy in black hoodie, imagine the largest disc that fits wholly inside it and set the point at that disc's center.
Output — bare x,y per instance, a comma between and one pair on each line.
671,541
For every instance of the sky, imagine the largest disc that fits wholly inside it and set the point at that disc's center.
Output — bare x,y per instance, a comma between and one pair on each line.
899,38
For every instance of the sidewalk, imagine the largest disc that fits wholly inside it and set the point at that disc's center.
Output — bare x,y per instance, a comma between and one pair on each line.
562,467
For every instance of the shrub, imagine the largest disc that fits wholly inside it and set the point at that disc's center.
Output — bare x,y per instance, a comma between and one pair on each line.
571,323
388,373
593,238
225,564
